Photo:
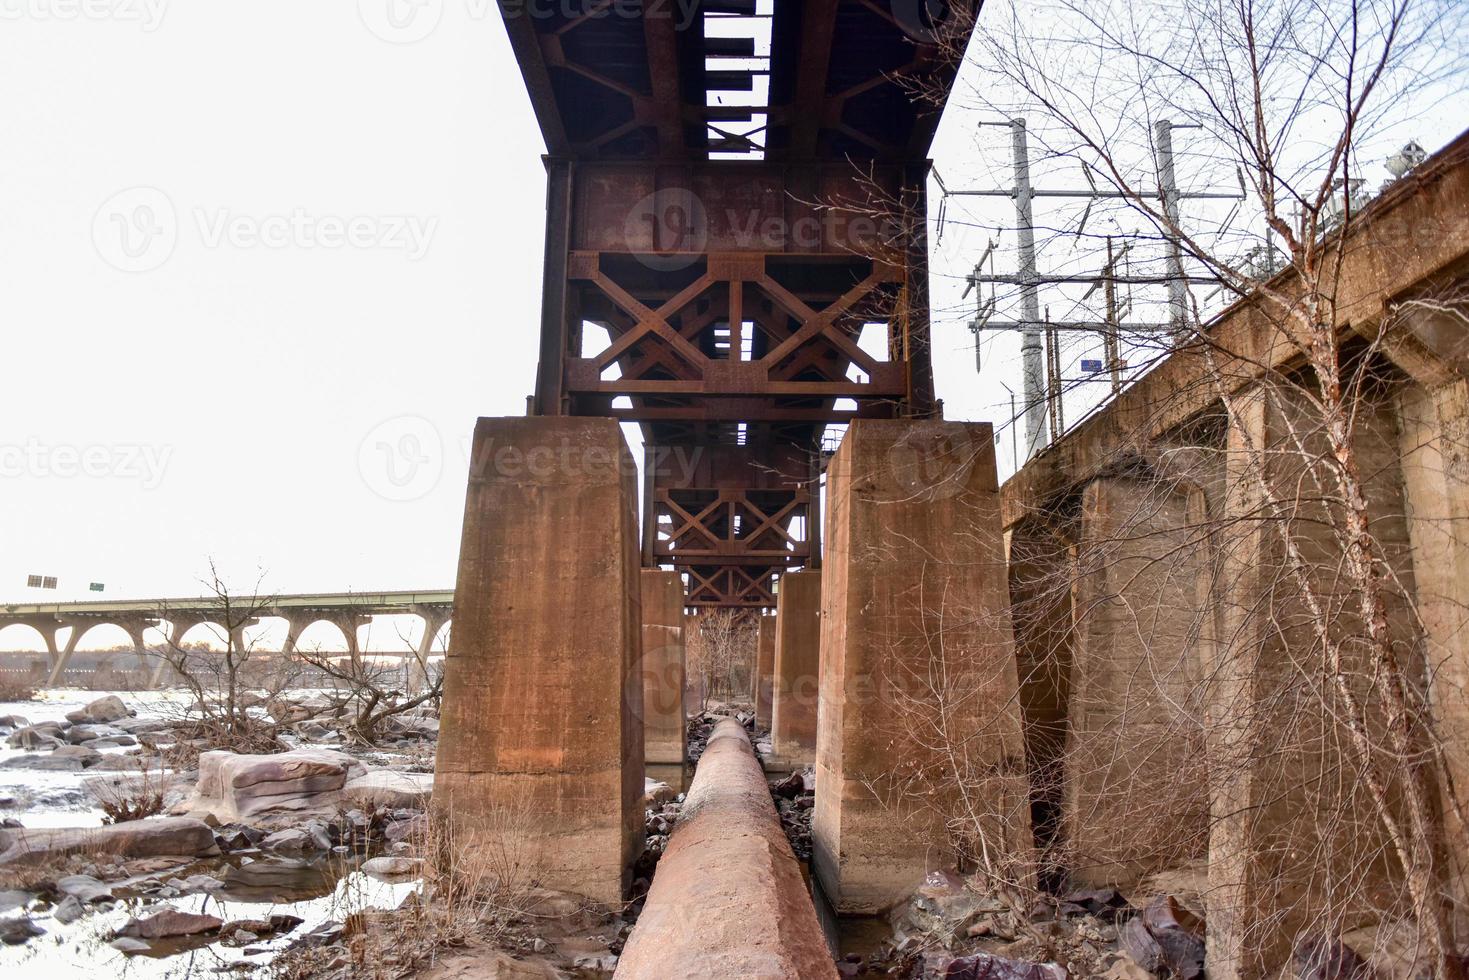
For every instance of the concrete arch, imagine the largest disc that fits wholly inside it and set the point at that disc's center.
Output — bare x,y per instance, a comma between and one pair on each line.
81,630
441,639
46,639
308,624
216,632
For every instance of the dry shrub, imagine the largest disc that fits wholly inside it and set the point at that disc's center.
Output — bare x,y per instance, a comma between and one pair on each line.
14,687
131,797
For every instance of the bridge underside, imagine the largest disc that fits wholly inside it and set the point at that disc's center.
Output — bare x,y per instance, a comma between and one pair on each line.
735,255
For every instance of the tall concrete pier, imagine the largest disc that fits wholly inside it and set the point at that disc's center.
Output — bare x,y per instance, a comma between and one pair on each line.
542,698
918,681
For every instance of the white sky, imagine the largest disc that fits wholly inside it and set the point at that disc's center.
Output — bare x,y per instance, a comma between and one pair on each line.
271,404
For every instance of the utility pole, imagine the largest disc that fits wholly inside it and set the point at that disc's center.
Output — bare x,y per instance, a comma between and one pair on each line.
1168,194
1033,391
1112,340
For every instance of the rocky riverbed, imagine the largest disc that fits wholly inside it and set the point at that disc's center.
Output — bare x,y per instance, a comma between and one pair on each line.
244,855
313,860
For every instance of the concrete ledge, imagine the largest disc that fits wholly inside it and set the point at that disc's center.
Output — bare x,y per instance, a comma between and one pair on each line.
728,900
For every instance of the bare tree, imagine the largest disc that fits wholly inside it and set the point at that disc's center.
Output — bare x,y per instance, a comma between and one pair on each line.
721,653
370,690
233,684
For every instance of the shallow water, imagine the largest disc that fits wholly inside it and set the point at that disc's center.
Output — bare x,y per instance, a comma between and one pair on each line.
56,798
328,890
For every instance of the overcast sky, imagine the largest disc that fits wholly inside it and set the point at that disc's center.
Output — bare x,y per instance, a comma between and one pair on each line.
260,270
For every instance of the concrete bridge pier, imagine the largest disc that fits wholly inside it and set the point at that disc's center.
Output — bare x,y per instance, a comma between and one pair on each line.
918,677
294,626
1136,775
433,621
665,729
542,730
797,671
763,675
61,655
349,623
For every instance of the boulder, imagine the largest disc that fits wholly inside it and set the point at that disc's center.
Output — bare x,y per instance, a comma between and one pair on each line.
34,737
942,906
87,756
77,734
130,946
1166,938
271,790
100,712
393,867
655,794
394,790
14,932
171,836
310,839
169,923
69,910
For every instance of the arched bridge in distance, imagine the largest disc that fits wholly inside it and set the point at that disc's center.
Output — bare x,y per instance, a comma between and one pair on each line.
348,611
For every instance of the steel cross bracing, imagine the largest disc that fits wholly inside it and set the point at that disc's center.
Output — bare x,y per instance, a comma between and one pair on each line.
735,308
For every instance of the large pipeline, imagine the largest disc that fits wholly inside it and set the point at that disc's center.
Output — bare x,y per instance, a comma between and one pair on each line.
728,900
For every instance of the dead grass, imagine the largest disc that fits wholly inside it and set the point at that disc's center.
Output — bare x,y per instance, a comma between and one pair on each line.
476,893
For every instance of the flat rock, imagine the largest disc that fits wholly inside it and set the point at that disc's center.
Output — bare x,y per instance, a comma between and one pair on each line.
171,836
119,741
492,966
141,726
130,946
84,888
395,790
45,763
100,712
168,923
77,734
